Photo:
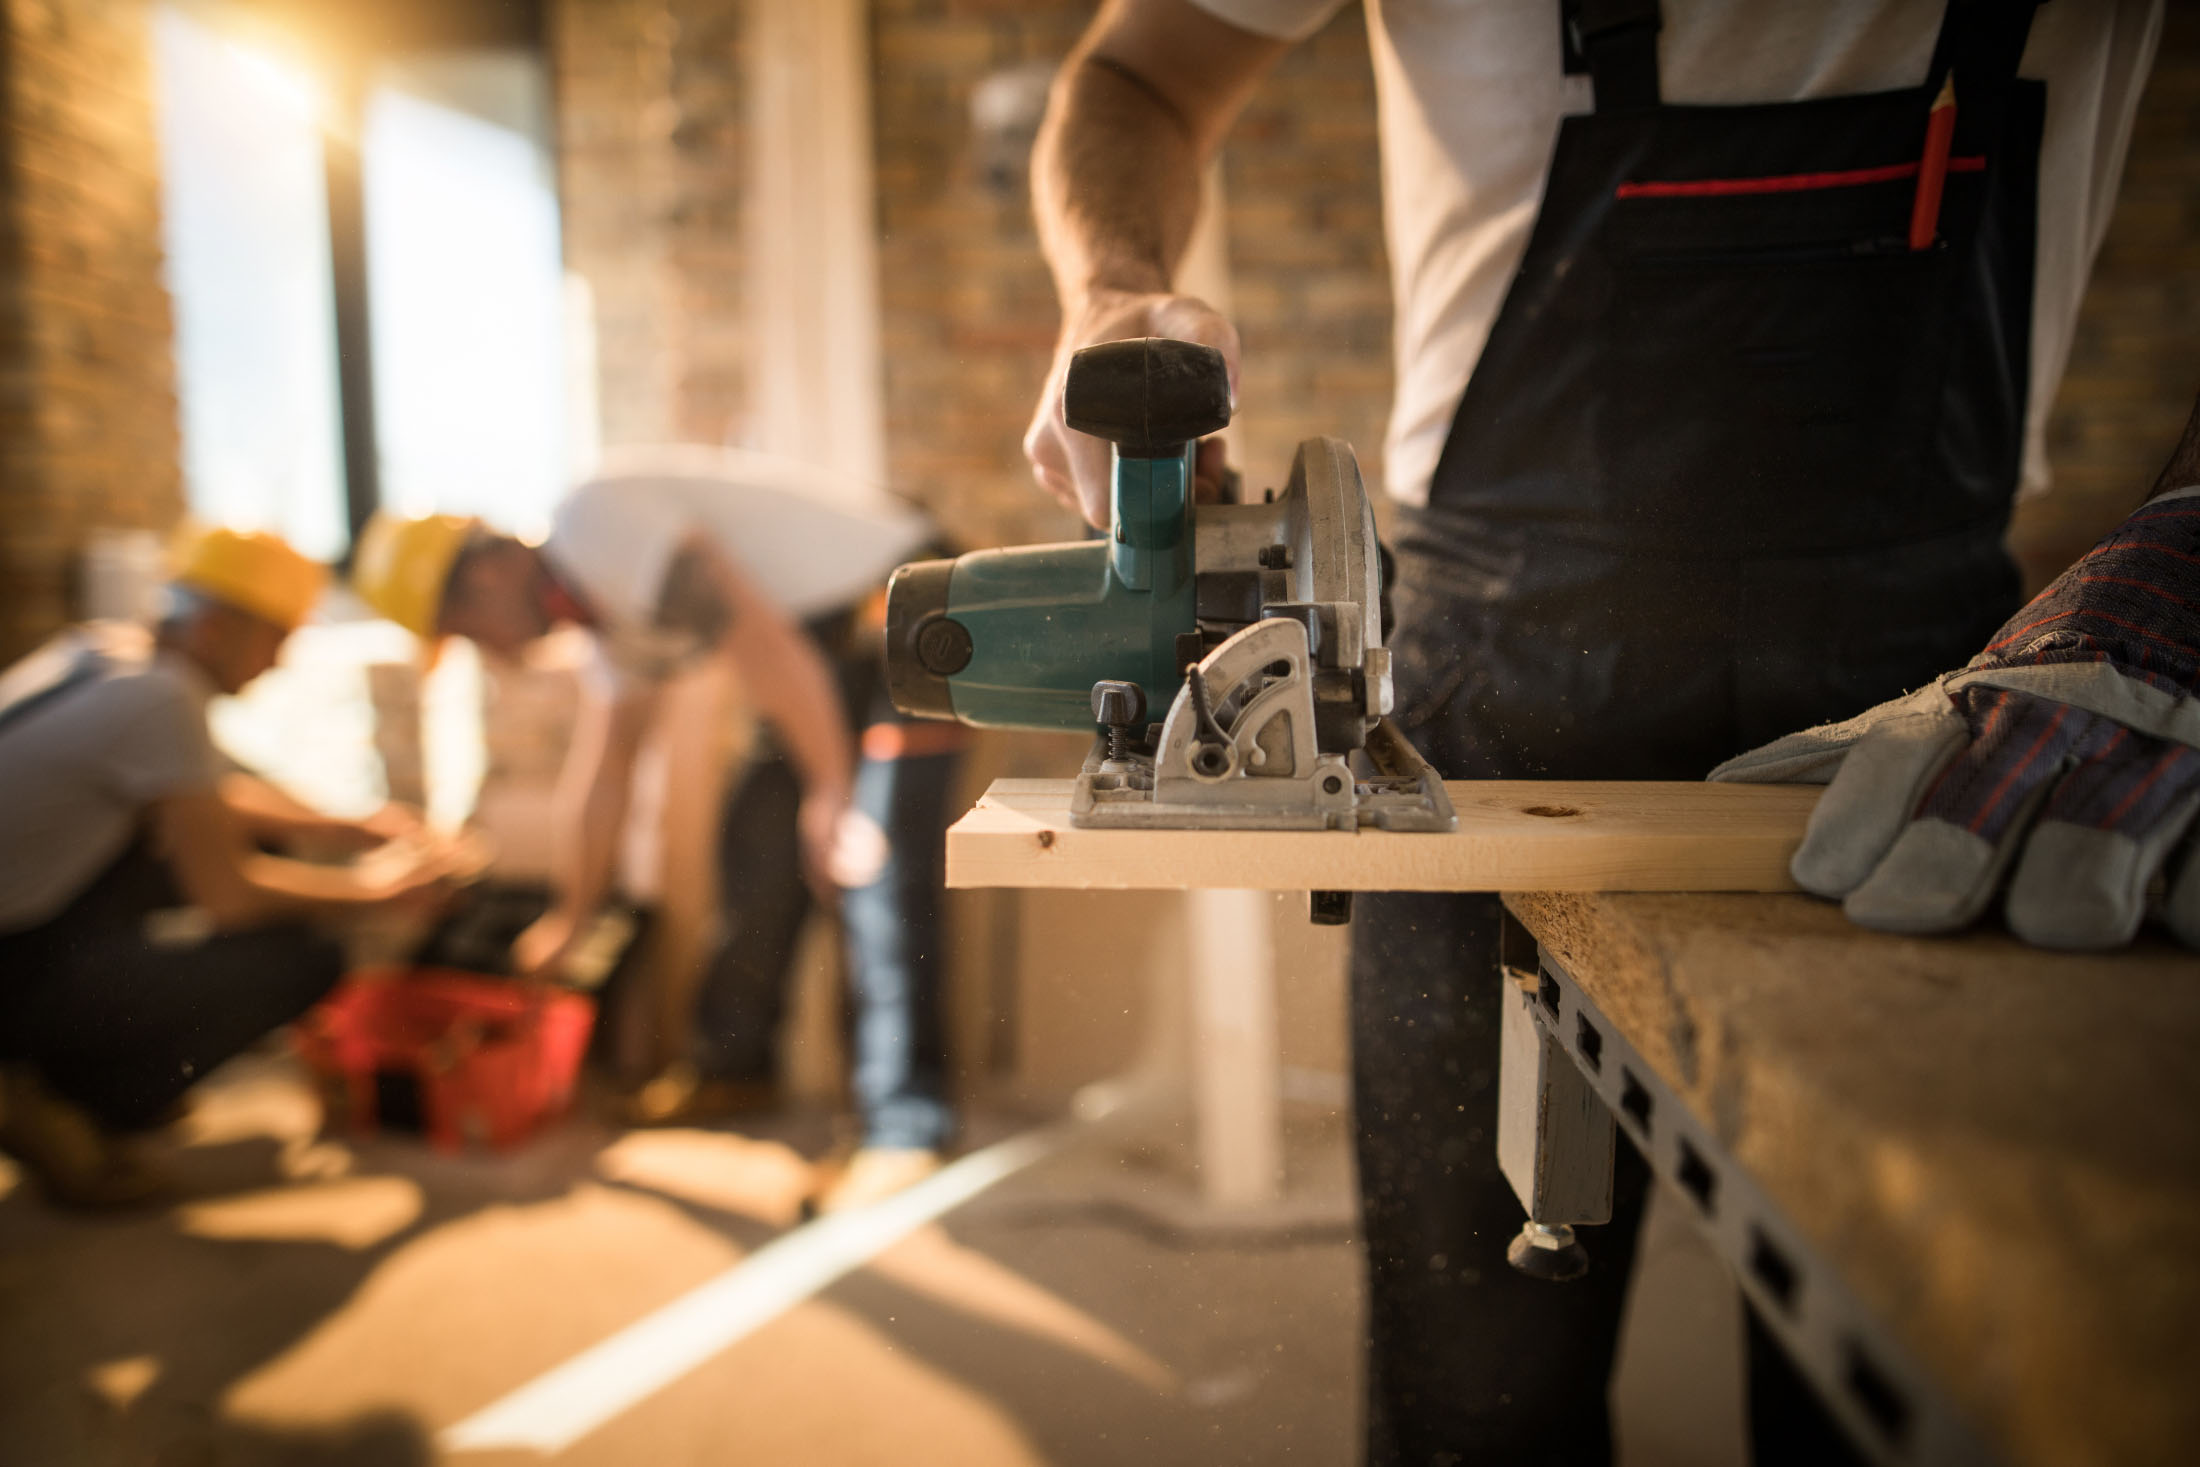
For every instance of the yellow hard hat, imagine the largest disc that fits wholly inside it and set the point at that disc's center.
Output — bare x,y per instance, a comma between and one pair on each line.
403,565
253,571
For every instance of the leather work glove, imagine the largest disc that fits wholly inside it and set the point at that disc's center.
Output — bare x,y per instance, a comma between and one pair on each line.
2070,748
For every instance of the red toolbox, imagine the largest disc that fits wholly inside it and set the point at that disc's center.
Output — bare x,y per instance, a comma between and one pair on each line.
456,1056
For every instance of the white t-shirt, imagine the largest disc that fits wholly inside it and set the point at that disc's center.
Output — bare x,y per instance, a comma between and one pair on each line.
79,768
1470,94
812,540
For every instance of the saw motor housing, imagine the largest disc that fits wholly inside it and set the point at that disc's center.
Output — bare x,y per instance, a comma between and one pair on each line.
1252,631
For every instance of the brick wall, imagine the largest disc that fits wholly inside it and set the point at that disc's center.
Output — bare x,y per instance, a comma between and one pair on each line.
87,392
2135,363
706,224
612,82
650,167
969,314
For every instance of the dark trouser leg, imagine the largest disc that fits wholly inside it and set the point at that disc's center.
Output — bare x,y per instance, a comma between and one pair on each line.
895,962
762,901
1469,1362
1522,657
123,1028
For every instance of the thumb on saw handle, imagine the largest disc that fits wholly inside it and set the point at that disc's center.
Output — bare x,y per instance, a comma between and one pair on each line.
1073,466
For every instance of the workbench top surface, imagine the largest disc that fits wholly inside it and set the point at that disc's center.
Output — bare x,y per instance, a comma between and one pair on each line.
1998,1148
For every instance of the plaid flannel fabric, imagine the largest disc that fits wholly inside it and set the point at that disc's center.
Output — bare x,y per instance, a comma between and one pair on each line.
2066,752
2133,602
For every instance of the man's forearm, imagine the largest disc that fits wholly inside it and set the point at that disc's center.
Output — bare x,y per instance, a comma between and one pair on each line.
591,814
215,869
794,689
790,681
1115,181
242,888
1137,110
266,811
1135,114
589,848
592,795
281,884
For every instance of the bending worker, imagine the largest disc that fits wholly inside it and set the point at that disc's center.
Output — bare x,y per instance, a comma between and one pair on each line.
145,936
1708,422
683,554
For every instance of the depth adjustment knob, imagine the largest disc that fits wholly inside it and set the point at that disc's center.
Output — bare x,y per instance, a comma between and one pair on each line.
1119,707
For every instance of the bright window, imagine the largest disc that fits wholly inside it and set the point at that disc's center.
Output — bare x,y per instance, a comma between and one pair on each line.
465,289
245,226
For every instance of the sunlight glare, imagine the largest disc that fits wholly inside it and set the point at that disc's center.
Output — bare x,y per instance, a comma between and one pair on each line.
285,82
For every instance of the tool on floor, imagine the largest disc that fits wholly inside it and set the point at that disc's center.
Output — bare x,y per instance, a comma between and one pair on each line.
458,1056
1230,656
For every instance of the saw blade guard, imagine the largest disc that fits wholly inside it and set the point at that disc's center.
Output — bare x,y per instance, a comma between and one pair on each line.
1281,721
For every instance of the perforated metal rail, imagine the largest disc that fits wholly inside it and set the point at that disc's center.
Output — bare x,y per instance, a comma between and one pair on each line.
1894,1411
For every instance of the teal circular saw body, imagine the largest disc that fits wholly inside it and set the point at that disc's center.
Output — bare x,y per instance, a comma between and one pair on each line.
1228,657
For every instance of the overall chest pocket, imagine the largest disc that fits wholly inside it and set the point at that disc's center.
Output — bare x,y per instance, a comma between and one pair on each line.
1775,358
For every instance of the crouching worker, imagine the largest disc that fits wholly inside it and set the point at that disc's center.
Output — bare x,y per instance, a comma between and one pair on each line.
144,935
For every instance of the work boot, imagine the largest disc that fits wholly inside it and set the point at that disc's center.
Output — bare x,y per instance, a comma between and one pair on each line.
682,1096
874,1174
76,1161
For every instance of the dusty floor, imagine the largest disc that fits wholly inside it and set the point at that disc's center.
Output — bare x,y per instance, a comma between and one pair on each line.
312,1301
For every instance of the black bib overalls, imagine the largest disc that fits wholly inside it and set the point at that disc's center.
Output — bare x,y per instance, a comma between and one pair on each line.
1735,460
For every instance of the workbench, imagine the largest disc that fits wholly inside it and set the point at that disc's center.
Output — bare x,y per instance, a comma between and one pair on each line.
1960,1178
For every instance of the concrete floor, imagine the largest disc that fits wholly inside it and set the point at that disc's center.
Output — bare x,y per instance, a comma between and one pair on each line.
319,1301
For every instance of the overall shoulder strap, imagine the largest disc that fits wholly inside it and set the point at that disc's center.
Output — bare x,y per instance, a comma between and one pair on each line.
44,678
1616,42
1981,43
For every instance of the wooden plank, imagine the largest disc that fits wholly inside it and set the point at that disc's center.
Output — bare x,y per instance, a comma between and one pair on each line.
1513,835
1997,1148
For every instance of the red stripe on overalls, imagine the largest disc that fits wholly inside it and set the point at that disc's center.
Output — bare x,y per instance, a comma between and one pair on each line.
1784,183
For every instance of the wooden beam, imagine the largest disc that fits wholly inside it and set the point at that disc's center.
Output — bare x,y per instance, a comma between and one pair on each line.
1237,1075
816,382
1513,835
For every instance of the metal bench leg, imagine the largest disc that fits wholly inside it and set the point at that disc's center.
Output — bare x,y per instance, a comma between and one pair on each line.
1554,1138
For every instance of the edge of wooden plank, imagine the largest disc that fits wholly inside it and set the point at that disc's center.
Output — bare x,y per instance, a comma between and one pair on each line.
1514,835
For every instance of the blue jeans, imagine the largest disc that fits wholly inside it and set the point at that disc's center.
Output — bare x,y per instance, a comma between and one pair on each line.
895,965
892,929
